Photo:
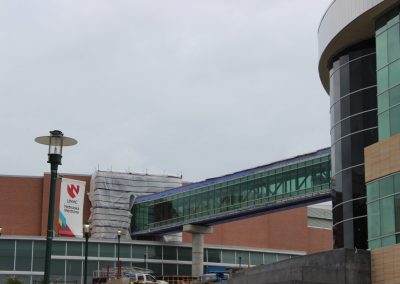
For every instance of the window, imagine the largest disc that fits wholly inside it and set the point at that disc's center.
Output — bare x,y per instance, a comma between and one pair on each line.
107,250
7,248
138,251
374,223
242,257
394,73
382,78
214,255
228,256
58,248
381,50
393,45
394,117
154,252
383,101
125,251
184,254
24,255
39,250
74,249
169,253
256,258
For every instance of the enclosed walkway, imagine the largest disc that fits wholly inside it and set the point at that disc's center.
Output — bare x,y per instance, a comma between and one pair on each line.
282,185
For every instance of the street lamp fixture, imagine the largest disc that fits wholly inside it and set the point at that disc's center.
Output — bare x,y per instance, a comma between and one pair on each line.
86,231
56,141
1,231
118,262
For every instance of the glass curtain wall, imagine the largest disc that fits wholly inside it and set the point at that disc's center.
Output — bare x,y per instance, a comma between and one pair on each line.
268,186
388,74
384,193
384,211
25,258
353,127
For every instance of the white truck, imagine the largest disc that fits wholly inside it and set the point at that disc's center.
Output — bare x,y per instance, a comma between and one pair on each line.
125,275
144,278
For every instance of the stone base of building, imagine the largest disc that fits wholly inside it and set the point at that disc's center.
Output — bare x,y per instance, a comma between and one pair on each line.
336,266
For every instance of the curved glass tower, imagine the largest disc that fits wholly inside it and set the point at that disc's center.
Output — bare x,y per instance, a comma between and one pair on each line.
353,126
359,67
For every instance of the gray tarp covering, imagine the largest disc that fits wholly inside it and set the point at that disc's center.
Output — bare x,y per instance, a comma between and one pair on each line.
111,194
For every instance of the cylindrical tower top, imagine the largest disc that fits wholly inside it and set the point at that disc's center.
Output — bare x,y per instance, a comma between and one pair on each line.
345,23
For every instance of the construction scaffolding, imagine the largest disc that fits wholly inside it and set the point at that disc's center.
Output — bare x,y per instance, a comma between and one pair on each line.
112,195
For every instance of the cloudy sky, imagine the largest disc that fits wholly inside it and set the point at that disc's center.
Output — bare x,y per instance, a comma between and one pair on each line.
202,88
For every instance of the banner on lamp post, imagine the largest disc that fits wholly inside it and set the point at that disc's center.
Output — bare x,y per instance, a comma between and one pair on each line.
71,207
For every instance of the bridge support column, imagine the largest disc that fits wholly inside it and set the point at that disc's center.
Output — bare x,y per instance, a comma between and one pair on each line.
197,246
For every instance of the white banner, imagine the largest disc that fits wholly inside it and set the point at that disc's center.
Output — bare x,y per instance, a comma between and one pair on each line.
71,208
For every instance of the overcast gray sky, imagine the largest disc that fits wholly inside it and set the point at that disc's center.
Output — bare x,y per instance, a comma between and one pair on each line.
199,87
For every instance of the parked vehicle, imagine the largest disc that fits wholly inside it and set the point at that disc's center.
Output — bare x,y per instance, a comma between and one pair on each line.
125,275
214,277
144,278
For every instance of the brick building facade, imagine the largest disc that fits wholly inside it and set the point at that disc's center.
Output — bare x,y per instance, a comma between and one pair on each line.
24,206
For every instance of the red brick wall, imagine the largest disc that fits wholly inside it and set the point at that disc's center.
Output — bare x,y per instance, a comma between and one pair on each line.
281,230
319,240
20,205
24,204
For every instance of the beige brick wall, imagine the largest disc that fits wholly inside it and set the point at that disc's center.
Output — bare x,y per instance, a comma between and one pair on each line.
382,158
385,265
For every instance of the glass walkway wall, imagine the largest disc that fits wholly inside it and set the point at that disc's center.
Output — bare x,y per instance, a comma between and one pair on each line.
298,177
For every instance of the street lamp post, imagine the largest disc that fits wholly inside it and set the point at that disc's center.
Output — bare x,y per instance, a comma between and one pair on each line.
118,262
55,141
240,261
86,229
145,260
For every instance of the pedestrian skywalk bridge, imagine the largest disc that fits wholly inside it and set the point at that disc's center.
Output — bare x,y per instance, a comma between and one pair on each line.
282,185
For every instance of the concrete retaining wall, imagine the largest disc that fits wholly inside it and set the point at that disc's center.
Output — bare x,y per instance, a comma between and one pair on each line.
335,266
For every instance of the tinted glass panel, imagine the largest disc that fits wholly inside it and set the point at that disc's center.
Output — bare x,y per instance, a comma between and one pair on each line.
74,249
184,254
170,269
228,256
155,252
125,251
58,248
353,112
170,253
7,249
138,251
185,270
39,251
242,257
58,269
214,255
107,250
256,258
24,255
93,249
